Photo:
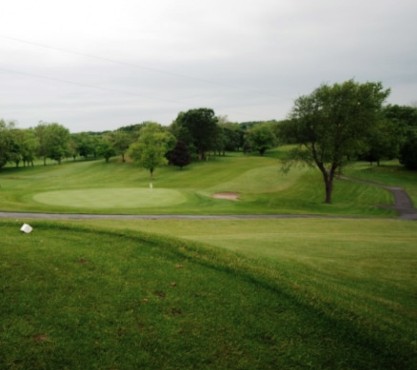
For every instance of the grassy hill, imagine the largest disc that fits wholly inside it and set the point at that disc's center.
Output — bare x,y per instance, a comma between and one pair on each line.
319,293
98,187
82,297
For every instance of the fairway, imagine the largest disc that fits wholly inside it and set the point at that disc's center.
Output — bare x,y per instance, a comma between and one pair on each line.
111,198
113,188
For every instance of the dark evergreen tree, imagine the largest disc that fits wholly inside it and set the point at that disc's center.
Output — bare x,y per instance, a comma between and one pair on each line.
408,153
197,128
180,155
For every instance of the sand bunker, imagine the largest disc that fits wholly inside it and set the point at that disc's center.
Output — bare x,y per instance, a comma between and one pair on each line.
226,195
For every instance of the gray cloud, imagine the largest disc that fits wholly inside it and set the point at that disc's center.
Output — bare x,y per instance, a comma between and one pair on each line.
98,65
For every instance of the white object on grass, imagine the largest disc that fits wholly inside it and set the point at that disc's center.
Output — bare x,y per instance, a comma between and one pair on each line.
26,228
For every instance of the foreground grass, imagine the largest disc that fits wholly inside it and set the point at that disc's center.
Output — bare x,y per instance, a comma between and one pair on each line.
366,264
82,297
98,187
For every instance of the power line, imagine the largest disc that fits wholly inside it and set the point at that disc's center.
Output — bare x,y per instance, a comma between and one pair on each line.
131,65
113,61
97,87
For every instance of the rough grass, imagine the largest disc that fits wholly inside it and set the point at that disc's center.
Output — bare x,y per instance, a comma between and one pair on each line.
77,297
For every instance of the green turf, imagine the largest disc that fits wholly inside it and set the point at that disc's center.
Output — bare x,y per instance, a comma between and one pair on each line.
388,173
261,185
111,198
255,294
76,297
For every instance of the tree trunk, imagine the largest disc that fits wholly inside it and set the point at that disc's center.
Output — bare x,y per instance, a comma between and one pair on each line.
328,177
328,183
202,155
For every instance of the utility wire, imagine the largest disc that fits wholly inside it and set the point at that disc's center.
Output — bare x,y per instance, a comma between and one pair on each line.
131,65
124,92
113,61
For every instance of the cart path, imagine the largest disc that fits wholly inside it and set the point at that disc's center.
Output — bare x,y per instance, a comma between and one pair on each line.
82,216
402,201
402,204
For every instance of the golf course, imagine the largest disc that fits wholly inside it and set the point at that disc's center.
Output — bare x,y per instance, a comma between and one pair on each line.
229,263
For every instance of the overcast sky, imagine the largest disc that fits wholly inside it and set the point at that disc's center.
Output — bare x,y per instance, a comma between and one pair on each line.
101,64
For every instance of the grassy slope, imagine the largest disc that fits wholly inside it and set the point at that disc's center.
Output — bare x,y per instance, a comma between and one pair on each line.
261,185
299,293
368,266
136,301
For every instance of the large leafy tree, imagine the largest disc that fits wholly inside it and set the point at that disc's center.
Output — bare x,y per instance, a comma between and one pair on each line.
54,141
408,152
5,142
382,143
234,136
121,141
84,144
260,138
29,147
16,146
333,123
198,129
149,151
105,148
404,120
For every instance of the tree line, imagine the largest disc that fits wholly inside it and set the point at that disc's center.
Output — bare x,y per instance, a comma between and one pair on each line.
193,135
329,127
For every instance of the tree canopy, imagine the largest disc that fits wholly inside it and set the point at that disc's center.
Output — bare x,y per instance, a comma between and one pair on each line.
53,141
197,128
5,142
179,156
332,124
260,138
150,149
408,152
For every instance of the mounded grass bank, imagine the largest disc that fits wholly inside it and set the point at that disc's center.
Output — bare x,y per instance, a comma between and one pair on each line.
82,297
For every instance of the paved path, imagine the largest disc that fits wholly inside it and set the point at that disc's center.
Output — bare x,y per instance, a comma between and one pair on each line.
81,216
402,204
402,201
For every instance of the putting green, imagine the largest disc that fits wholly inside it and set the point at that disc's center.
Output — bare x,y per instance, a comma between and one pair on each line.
111,198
